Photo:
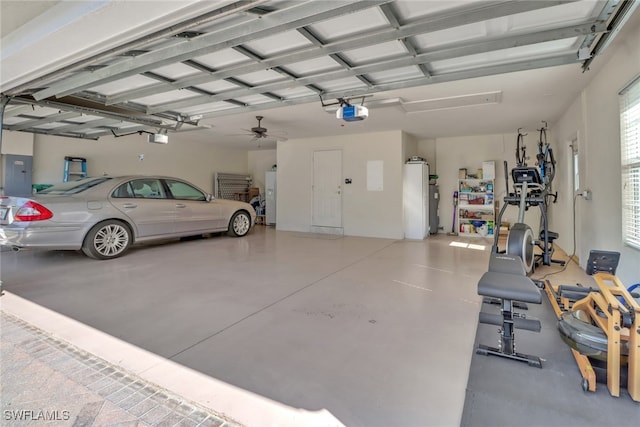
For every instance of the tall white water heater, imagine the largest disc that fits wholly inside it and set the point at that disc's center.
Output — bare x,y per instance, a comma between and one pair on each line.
416,200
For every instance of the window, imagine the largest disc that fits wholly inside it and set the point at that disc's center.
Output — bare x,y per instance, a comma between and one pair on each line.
630,149
123,192
74,187
147,188
184,191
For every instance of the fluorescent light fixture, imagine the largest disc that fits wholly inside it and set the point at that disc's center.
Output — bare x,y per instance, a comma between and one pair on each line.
453,102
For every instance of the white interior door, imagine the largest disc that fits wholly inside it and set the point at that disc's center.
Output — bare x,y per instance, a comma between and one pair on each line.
327,188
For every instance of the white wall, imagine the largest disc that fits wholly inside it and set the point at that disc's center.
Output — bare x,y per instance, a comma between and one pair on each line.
261,161
365,213
568,129
193,161
409,146
595,117
19,143
427,150
469,152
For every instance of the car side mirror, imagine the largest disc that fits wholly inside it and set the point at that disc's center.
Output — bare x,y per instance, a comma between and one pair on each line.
209,198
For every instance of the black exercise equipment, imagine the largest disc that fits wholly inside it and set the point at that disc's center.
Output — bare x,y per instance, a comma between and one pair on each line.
529,191
545,160
507,282
602,261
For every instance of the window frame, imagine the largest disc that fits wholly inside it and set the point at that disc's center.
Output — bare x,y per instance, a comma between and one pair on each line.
629,98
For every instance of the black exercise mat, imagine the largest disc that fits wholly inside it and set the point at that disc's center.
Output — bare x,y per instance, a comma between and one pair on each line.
503,392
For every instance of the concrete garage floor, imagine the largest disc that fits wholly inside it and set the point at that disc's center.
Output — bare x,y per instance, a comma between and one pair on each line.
375,331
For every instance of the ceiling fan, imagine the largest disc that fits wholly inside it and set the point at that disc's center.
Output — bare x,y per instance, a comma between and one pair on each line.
259,132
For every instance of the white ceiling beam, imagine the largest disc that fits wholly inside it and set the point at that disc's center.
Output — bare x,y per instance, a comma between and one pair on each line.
17,110
422,81
387,10
445,52
222,9
272,23
43,121
65,135
78,127
141,119
438,22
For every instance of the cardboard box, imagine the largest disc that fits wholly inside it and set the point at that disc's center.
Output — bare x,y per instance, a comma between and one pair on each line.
253,192
504,228
489,169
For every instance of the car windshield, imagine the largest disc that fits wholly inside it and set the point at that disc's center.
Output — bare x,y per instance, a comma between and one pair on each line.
74,187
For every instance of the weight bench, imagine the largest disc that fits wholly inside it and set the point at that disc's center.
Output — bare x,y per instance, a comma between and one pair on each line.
507,282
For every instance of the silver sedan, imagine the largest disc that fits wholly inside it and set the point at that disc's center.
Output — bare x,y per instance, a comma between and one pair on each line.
104,216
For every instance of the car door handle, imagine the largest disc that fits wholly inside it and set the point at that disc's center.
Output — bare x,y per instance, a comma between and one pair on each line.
129,205
180,205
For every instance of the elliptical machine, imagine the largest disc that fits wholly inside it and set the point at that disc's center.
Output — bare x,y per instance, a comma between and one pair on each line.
530,189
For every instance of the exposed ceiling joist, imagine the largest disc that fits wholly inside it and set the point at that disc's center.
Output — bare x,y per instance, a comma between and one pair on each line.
423,81
290,18
446,52
65,106
430,24
28,124
79,127
256,55
212,15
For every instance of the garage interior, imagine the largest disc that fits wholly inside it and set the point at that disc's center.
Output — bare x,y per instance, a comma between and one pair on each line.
339,322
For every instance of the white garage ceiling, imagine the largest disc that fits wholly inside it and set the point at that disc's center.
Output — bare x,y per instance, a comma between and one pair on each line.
207,69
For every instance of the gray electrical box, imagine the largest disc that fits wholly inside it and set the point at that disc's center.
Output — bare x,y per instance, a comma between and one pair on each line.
434,198
18,173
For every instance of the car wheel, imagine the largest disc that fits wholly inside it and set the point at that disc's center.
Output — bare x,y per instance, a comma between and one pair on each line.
240,224
107,240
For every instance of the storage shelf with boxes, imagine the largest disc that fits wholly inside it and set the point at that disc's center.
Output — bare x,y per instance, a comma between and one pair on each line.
476,209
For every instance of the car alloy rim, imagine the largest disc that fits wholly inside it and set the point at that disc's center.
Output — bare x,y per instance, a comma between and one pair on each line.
241,224
111,240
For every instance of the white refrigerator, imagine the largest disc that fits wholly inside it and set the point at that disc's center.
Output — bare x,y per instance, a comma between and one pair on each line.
416,200
270,189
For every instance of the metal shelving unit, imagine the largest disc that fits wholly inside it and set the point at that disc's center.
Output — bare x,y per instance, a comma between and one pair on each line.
476,207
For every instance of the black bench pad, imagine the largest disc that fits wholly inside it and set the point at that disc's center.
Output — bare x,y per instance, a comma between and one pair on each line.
510,287
508,264
533,325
